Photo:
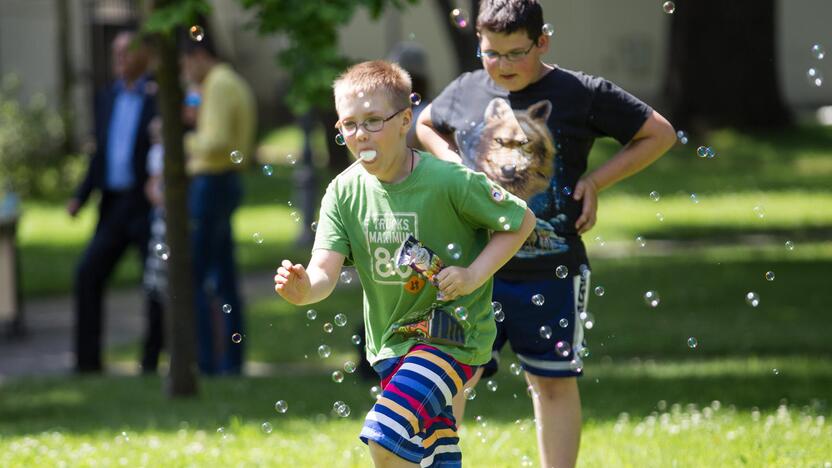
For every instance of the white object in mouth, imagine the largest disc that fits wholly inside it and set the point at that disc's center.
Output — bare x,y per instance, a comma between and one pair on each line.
368,155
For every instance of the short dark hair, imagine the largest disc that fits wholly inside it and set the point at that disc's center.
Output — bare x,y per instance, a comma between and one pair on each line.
510,16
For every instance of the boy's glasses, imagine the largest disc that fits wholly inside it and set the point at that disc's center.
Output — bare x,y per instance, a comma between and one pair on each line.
513,56
373,124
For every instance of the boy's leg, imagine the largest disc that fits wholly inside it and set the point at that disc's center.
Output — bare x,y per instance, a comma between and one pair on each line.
557,410
413,418
550,370
459,398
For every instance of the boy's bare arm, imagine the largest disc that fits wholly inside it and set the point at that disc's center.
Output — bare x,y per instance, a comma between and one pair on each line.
299,285
459,281
653,139
442,146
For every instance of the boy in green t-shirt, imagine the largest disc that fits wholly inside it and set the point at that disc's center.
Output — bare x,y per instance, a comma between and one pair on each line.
391,193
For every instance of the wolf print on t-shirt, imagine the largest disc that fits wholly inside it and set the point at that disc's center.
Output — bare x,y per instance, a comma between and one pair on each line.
516,149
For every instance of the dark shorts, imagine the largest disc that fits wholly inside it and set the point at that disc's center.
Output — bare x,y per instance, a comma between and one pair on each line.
564,300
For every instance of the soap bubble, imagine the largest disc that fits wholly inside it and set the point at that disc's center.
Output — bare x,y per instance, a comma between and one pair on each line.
337,376
375,391
340,320
682,136
491,385
640,241
561,271
196,32
328,327
236,338
818,52
349,367
548,29
291,159
789,245
339,140
415,99
459,18
563,348
655,196
545,332
236,157
346,277
752,298
515,368
702,151
599,291
651,298
324,351
311,314
538,299
669,7
563,323
266,428
461,313
454,251
470,393
268,170
226,308
692,343
281,406
769,276
258,238
162,251
356,340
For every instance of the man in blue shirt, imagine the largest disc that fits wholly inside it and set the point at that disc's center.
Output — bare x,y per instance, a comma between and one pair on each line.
118,171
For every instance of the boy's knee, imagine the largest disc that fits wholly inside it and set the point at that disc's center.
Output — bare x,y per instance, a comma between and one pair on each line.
553,388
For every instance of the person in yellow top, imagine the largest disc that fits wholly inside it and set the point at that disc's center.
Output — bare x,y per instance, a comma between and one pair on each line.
224,134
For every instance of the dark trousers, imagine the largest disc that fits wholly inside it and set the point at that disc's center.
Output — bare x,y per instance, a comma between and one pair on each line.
212,200
123,221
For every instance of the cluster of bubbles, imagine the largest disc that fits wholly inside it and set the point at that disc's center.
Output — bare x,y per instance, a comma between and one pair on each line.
668,7
341,409
814,75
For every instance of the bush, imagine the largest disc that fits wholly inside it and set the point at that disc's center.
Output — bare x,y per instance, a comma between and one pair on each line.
32,162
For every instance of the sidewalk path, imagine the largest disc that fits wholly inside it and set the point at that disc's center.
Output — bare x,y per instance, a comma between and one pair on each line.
46,347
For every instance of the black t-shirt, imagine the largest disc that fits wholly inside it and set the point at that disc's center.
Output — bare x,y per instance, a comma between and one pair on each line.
535,143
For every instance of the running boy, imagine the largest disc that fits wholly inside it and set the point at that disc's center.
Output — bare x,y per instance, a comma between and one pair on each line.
529,126
391,193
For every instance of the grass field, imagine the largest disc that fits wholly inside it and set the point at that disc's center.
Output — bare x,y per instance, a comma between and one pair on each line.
755,391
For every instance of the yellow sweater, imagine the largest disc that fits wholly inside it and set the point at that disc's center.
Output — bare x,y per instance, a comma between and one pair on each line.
226,122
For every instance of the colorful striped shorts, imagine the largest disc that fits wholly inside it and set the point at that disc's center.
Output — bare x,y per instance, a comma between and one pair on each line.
413,417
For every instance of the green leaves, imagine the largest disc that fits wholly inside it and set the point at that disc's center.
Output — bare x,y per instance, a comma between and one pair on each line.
166,19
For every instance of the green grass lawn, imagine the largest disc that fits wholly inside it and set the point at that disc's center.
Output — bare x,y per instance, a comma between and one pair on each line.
755,391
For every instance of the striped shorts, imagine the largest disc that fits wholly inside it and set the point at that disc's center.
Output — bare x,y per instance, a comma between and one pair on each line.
413,417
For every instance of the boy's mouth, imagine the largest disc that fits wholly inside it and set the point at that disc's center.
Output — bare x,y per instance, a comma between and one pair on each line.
368,155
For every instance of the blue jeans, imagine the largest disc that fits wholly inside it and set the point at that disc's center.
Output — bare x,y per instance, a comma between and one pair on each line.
212,199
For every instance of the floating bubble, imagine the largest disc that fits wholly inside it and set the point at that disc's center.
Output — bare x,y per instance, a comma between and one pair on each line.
525,460
775,371
221,432
196,32
815,77
702,151
226,308
459,18
314,226
515,368
375,391
709,152
268,170
575,366
567,190
499,315
337,376
818,52
295,216
258,238
343,410
461,313
545,332
340,320
561,271
682,136
236,338
469,393
454,251
769,276
660,217
281,406
349,367
589,320
692,343
669,7
415,99
599,291
356,339
162,251
506,227
346,277
324,351
548,30
655,196
563,348
236,157
339,140
266,428
491,385
789,245
640,241
328,327
752,298
583,352
651,298
291,159
694,198
311,314
502,219
759,211
600,241
563,323
538,299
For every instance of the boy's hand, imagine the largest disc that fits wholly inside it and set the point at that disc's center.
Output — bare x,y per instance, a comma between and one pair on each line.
292,282
454,281
587,191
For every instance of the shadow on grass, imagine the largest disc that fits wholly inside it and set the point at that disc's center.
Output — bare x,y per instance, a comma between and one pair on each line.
111,404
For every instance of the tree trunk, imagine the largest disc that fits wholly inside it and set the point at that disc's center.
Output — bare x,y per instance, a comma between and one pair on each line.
179,311
463,40
722,68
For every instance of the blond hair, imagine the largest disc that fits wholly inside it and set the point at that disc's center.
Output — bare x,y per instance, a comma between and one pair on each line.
372,76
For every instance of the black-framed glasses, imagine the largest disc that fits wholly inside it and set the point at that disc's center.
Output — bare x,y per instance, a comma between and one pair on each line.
373,124
513,56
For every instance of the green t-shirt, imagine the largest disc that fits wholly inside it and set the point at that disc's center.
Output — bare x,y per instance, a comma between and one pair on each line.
440,203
